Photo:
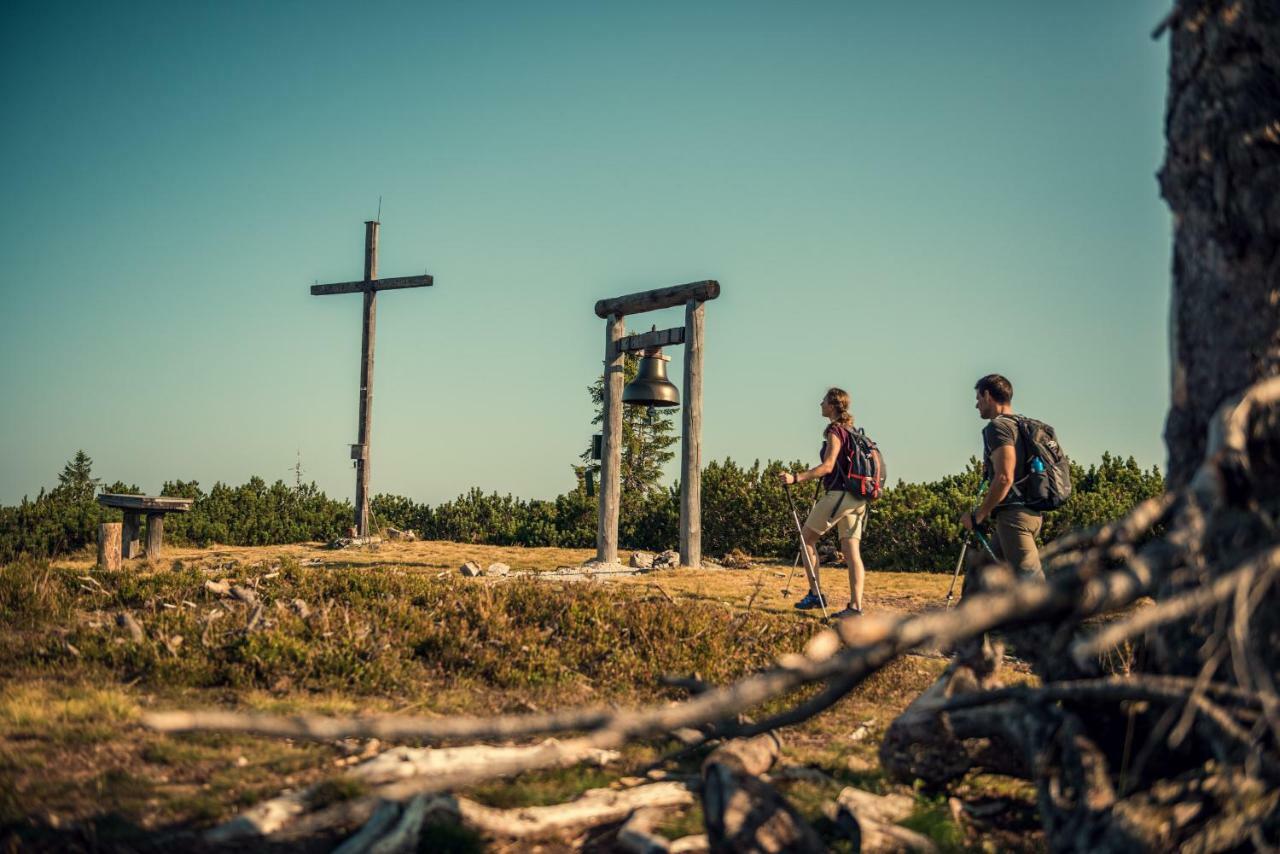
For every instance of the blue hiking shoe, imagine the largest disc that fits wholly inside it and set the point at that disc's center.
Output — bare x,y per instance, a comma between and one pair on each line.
810,601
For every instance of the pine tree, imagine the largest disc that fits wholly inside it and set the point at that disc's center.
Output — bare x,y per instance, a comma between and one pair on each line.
76,481
648,435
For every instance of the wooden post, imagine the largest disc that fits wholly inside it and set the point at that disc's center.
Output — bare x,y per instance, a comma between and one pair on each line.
109,546
369,287
366,377
691,438
130,546
155,535
611,458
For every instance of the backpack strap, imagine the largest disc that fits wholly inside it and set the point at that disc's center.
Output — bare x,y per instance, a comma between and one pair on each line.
1019,439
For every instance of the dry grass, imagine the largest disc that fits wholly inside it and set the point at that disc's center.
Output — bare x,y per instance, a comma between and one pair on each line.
401,631
761,585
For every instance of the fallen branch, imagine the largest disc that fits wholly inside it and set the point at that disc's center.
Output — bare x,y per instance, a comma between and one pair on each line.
1169,689
1177,607
595,807
871,821
742,811
391,766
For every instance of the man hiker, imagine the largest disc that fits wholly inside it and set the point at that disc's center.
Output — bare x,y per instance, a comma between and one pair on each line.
1004,466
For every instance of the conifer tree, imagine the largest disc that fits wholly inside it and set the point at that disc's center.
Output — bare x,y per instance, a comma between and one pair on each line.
647,438
76,481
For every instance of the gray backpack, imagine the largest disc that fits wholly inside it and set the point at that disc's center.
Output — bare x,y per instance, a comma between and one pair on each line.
1046,484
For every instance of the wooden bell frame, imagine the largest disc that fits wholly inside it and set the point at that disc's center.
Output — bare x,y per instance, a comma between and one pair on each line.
616,346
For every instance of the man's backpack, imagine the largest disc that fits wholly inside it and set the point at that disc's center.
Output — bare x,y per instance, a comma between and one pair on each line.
860,465
1046,484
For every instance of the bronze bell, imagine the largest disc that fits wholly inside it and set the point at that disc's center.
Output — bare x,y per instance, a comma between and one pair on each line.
651,386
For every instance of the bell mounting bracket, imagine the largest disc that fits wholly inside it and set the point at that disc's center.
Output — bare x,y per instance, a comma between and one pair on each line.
647,340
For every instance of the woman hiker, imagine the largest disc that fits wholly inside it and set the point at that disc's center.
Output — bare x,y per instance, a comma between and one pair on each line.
837,508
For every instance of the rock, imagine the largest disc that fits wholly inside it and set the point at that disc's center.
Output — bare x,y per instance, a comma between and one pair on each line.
668,559
126,621
498,569
642,560
471,569
349,542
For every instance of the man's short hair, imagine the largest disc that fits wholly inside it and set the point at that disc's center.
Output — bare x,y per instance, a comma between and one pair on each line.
1000,389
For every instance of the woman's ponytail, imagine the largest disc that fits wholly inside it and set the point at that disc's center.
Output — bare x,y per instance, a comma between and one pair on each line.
838,399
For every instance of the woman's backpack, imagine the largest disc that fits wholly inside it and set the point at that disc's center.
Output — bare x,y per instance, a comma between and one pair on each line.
860,465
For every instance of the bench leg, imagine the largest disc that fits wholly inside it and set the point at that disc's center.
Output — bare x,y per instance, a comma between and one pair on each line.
129,536
155,535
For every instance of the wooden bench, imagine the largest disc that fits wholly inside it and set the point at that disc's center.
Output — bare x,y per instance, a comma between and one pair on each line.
154,506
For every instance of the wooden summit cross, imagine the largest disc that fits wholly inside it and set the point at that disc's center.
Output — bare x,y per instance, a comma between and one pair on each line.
369,287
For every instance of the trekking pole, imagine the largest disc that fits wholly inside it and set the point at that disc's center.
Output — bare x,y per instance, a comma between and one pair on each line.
964,547
986,545
809,569
786,591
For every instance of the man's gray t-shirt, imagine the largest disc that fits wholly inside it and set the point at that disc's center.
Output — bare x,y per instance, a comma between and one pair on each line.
1000,431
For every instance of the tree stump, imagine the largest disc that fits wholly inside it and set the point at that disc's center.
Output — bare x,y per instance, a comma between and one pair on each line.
109,553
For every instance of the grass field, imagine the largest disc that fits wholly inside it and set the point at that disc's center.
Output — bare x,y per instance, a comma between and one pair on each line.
396,629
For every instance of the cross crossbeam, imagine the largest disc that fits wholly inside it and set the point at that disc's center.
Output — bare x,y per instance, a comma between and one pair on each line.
375,285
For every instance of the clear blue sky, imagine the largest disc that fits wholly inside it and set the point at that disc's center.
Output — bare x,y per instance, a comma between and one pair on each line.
896,199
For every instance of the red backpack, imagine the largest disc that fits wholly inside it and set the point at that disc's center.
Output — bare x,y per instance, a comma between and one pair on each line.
859,465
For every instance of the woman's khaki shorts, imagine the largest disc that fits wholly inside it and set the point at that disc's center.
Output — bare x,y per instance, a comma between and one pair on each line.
839,509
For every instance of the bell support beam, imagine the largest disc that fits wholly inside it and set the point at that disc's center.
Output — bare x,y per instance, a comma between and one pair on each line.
645,340
660,298
691,438
611,455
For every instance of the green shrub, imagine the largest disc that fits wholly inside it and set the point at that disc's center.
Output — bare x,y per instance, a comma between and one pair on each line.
913,527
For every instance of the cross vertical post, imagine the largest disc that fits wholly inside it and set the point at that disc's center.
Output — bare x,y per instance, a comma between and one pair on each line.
369,287
368,330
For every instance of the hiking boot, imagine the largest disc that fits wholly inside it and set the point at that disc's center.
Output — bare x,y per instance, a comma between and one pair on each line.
849,611
810,601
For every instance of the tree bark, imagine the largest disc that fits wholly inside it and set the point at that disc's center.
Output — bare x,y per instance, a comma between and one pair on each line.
1221,178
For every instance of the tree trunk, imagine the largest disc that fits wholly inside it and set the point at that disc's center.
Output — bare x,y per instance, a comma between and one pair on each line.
1221,178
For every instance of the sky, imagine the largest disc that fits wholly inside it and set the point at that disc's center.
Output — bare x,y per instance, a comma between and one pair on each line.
895,198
